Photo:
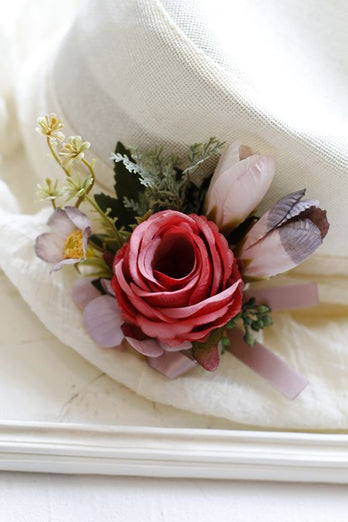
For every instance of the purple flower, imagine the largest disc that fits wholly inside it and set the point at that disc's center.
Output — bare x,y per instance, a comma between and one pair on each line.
67,242
100,312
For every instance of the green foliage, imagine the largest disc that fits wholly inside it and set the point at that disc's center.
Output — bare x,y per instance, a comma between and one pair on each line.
254,317
201,152
115,209
159,182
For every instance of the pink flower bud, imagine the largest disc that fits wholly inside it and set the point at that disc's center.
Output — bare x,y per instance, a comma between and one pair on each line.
238,185
284,237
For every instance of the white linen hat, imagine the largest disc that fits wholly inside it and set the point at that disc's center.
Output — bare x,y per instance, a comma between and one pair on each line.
151,72
176,72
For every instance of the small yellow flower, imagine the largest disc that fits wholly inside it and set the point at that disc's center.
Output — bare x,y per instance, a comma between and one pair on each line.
50,126
74,150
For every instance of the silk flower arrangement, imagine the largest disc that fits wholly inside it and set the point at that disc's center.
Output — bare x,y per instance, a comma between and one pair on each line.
167,262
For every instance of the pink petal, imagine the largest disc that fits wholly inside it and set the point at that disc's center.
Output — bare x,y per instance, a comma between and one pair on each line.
85,236
50,247
150,347
238,191
83,292
61,224
228,159
103,321
78,218
60,265
282,249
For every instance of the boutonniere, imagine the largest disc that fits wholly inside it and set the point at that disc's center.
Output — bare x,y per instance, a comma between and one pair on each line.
166,264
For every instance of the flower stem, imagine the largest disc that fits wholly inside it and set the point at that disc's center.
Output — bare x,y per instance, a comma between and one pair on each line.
91,170
53,152
106,220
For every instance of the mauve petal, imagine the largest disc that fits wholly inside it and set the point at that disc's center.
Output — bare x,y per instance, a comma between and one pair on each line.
85,236
272,218
61,224
83,292
78,218
319,218
282,249
60,265
181,347
103,321
298,208
106,284
50,247
150,347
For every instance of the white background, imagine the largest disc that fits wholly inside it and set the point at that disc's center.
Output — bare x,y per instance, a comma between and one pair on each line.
54,498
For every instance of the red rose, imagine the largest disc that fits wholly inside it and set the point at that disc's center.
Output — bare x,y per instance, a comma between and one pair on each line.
177,279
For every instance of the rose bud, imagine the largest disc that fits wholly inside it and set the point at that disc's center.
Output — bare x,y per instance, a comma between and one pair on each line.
240,181
284,237
176,280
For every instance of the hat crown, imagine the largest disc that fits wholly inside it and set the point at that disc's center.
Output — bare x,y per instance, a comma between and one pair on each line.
171,73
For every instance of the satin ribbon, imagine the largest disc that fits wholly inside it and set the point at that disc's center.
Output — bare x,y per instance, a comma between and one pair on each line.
258,358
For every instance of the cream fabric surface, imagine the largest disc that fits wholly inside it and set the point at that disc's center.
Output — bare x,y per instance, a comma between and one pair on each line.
172,73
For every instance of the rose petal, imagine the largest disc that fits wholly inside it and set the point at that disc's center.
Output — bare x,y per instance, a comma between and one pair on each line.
103,321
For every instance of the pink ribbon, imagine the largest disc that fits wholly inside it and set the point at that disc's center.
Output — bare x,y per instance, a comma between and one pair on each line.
266,364
258,358
286,297
172,364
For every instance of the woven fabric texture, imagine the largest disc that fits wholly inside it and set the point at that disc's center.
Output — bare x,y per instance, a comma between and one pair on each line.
172,73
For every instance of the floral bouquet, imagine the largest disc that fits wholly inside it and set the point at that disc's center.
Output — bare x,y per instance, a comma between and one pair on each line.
168,262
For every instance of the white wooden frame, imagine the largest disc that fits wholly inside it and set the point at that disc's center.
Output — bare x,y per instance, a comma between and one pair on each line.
163,452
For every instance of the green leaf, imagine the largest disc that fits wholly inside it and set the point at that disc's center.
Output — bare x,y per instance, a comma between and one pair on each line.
127,184
98,285
115,209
